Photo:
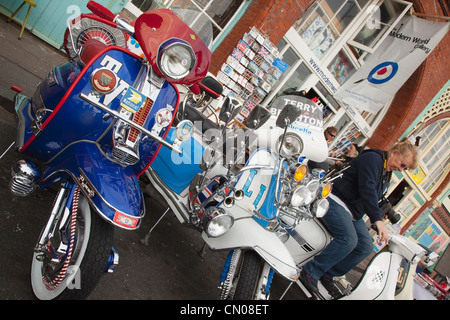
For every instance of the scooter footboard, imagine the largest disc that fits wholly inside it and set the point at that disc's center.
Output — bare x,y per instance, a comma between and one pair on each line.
247,234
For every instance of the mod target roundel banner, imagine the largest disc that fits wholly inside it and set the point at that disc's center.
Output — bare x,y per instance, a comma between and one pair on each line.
383,72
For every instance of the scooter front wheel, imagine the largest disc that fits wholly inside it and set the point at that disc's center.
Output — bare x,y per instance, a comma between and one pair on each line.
56,274
254,278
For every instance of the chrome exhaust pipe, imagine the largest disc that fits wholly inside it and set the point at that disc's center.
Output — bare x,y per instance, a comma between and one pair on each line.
239,194
228,202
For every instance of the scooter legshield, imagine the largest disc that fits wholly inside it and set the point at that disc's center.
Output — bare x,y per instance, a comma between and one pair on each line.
113,190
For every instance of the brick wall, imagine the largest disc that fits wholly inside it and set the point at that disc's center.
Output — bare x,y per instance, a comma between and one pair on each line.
273,18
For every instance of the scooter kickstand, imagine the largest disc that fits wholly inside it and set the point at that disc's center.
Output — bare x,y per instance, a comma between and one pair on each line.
285,291
202,252
10,146
144,241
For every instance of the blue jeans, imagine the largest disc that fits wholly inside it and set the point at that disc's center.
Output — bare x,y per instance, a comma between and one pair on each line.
350,245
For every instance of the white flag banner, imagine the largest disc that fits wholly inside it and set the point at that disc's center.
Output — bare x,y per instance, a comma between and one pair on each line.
392,63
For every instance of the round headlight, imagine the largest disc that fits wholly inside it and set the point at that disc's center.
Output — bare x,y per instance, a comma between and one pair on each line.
300,197
320,207
217,222
292,144
176,60
313,186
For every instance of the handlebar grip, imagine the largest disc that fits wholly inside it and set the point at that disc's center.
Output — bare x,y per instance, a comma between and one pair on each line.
100,11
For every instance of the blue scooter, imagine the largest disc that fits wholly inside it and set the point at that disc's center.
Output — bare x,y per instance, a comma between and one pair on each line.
93,127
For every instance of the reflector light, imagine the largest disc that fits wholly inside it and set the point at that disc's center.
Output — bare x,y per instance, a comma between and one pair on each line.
125,221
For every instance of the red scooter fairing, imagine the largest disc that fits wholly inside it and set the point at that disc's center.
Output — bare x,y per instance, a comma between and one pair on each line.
154,28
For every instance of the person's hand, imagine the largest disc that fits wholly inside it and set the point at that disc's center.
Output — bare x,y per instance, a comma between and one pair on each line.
383,234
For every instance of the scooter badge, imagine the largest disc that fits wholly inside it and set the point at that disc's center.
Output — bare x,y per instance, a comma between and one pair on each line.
103,81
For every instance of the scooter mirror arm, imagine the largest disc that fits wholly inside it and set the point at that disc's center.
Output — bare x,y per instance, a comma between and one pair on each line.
131,123
277,187
327,177
256,167
124,26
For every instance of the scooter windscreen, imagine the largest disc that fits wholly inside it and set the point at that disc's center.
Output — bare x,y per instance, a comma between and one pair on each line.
177,48
306,131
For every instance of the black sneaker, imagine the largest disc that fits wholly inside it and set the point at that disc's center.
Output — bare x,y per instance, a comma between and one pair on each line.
331,287
309,282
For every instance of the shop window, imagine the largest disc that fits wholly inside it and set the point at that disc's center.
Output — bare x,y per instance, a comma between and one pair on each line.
406,208
401,190
434,154
332,103
325,21
380,21
145,5
297,78
219,12
341,67
294,76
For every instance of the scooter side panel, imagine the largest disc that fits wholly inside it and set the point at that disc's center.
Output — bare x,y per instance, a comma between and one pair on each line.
375,282
246,233
306,240
177,171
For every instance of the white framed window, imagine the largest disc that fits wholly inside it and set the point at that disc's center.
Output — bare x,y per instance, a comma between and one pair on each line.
378,24
325,21
434,154
221,13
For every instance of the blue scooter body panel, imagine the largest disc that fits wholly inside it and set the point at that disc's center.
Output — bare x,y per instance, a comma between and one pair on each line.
177,171
112,189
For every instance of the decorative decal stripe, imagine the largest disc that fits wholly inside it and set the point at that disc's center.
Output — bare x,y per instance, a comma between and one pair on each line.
139,118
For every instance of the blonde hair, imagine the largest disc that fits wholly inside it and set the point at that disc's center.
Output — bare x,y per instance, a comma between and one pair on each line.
405,147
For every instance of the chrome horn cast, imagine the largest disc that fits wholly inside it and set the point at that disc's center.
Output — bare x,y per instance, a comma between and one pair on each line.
24,178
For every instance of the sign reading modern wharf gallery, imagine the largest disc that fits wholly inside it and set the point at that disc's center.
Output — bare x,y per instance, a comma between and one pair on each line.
395,60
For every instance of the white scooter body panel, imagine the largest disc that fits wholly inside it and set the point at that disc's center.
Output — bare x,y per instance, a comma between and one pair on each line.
377,281
248,234
307,239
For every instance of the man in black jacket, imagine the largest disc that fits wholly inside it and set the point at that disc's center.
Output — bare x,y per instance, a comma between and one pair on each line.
355,194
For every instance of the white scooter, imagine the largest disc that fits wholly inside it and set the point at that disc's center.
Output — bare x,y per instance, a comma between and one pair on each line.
272,199
277,205
234,207
389,275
